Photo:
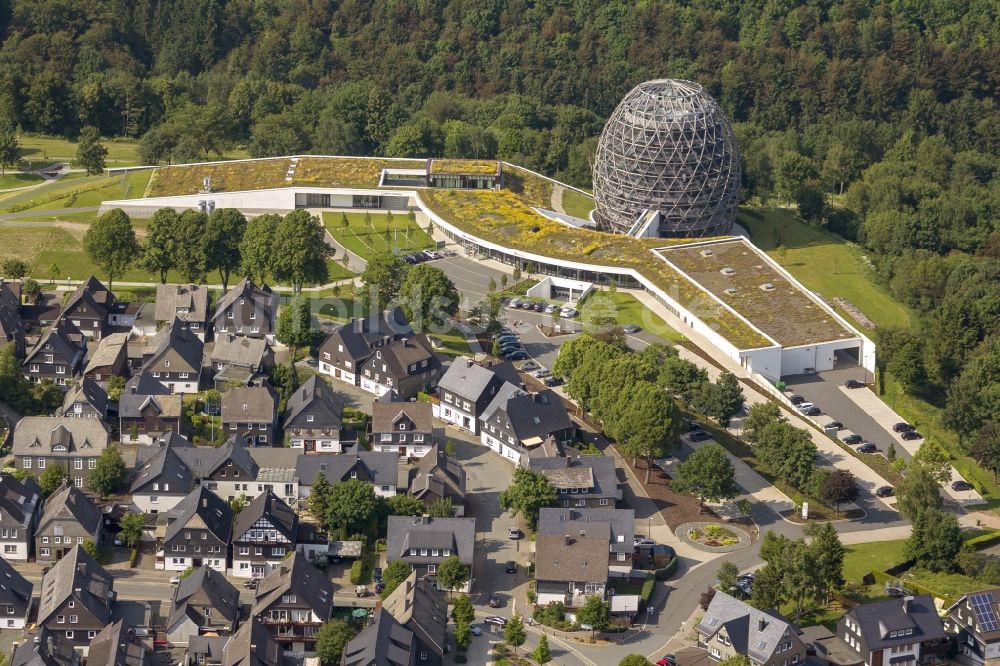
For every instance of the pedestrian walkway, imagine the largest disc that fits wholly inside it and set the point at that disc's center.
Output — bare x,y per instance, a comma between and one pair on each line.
871,404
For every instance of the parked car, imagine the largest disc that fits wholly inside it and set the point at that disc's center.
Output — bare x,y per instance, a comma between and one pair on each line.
867,447
513,533
542,373
883,491
643,542
553,381
379,586
511,347
631,329
853,384
811,411
517,355
496,620
175,580
961,484
901,427
515,303
667,660
804,405
853,438
550,308
568,313
835,424
911,435
506,338
796,399
699,436
378,573
529,366
476,630
511,567
495,601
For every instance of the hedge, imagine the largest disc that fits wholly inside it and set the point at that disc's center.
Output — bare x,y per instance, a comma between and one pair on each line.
667,571
984,540
357,572
647,587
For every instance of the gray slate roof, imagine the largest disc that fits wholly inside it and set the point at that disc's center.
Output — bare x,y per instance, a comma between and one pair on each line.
238,350
92,292
79,576
456,534
532,415
223,597
143,388
419,606
89,392
203,460
594,472
66,341
753,632
187,302
116,645
438,474
245,288
619,530
69,503
252,645
163,464
315,397
107,350
269,506
295,576
385,642
19,500
40,435
384,415
15,589
468,379
359,335
383,467
178,338
202,507
400,355
52,649
255,404
877,619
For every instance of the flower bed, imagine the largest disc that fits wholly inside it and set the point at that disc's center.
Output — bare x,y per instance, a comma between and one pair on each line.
452,167
714,536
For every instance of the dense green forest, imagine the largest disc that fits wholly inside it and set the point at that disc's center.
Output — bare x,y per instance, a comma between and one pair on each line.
877,118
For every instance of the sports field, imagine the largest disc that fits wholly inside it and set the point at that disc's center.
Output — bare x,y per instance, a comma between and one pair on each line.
367,234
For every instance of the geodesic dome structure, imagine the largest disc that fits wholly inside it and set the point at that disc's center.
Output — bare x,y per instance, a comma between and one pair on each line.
667,147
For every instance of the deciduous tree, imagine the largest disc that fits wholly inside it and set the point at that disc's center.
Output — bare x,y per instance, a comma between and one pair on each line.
90,152
331,639
300,251
223,236
514,633
452,574
130,528
108,473
633,660
190,256
404,505
528,492
395,573
257,247
110,243
383,278
14,269
596,612
542,654
917,491
10,151
986,448
50,479
441,508
351,505
826,556
294,326
158,250
428,298
935,540
707,474
839,487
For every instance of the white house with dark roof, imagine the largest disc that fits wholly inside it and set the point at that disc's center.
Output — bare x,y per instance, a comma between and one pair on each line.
246,309
69,519
424,542
404,366
418,606
198,532
175,358
899,632
264,533
86,400
975,621
403,428
374,467
467,388
57,356
203,602
349,345
76,599
15,597
293,601
732,627
581,481
313,418
162,479
516,422
73,444
20,507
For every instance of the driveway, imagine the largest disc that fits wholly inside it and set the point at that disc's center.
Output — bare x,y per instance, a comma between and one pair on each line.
471,278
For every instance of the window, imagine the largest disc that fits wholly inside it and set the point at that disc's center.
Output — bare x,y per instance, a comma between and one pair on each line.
41,463
432,568
61,619
229,315
73,619
45,552
423,552
402,437
621,557
402,426
45,539
261,426
10,549
385,489
26,463
604,502
387,437
446,552
69,634
354,475
244,550
435,552
153,499
288,598
78,463
278,552
91,634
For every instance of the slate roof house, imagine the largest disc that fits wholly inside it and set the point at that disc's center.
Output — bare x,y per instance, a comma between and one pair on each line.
384,642
578,549
185,302
421,608
731,627
264,533
516,422
20,506
198,533
147,410
378,469
975,620
313,418
226,470
293,602
237,358
69,519
582,481
76,599
86,400
176,358
439,476
896,631
203,602
350,345
51,649
249,414
405,366
424,542
246,310
162,477
467,389
73,444
88,307
404,428
118,644
110,359
58,355
15,597
11,326
252,645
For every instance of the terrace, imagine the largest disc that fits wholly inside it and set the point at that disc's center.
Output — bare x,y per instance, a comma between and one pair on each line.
464,167
742,277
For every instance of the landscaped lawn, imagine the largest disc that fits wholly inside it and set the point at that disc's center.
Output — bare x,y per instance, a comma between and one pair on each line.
822,262
11,180
364,240
41,151
629,310
949,585
576,204
863,558
453,343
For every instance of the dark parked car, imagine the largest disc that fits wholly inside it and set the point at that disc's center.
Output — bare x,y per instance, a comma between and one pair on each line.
378,573
884,491
379,586
495,600
901,427
853,438
867,447
251,584
961,484
507,338
511,567
812,411
699,436
538,307
911,435
518,355
553,381
631,328
835,424
853,384
796,399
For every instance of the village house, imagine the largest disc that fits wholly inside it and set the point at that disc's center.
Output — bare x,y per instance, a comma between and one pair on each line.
58,355
237,359
11,325
73,444
350,345
246,310
516,422
20,506
15,597
405,366
439,476
468,388
86,400
198,533
162,479
69,519
88,308
379,469
76,599
732,627
110,359
174,358
313,418
404,428
249,414
424,542
265,532
187,303
975,620
293,601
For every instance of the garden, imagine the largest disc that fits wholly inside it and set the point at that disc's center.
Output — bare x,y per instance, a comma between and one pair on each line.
365,234
713,536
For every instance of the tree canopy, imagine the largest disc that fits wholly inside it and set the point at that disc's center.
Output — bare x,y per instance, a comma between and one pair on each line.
110,243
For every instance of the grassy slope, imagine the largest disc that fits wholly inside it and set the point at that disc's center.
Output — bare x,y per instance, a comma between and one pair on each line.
576,204
44,150
863,558
822,262
363,242
11,180
628,311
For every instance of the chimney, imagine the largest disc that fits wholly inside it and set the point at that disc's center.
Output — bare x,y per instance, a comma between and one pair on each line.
761,624
906,604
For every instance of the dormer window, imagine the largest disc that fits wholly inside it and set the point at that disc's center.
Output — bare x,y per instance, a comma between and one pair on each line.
354,475
309,418
402,426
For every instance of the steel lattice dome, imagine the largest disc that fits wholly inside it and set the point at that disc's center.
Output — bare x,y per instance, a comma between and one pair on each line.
667,147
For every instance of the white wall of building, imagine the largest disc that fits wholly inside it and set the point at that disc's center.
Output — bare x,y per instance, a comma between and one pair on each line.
180,562
15,551
243,568
508,452
456,417
144,502
412,450
338,374
323,445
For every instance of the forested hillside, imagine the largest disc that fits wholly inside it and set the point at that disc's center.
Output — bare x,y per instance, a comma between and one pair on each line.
878,118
